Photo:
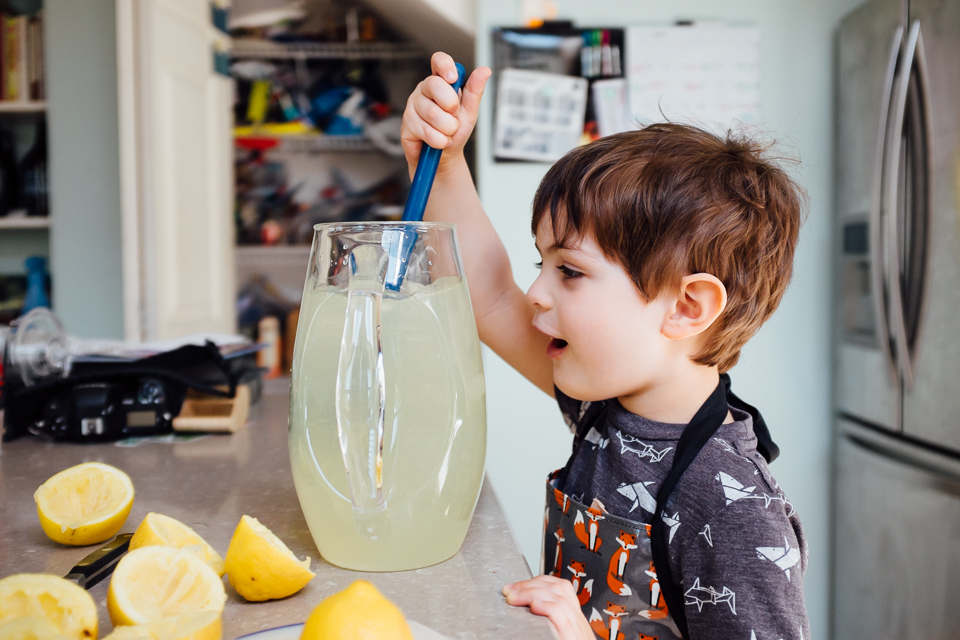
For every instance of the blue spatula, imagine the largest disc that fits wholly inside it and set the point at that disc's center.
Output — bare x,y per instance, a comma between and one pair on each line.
399,242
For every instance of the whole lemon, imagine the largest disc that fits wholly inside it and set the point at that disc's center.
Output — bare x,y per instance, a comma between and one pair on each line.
358,612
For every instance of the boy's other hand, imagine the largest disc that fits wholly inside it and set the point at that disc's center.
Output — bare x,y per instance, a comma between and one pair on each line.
436,115
554,598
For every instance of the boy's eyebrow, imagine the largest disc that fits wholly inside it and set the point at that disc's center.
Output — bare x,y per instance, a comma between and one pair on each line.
556,246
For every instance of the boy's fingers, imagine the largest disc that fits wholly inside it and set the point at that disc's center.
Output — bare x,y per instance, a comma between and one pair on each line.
561,590
473,91
440,91
432,137
435,116
444,66
543,599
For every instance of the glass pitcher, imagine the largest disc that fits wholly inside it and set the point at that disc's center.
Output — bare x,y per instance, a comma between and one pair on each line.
387,402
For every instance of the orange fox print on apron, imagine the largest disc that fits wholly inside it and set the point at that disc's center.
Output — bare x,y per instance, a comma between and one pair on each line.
609,561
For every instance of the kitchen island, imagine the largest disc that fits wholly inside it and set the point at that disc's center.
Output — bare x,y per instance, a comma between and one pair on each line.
210,482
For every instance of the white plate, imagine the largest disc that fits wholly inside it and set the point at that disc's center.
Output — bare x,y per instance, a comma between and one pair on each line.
292,632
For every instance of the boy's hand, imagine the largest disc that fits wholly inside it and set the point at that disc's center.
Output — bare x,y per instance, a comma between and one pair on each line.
554,598
437,116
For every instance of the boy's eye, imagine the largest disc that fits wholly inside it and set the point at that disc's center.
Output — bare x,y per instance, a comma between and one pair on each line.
568,273
538,265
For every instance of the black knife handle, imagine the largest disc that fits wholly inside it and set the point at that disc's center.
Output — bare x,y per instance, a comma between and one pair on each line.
99,564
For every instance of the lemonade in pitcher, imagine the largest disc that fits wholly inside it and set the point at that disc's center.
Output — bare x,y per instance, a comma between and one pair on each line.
387,406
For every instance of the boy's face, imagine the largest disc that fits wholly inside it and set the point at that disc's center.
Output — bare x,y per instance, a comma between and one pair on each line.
606,336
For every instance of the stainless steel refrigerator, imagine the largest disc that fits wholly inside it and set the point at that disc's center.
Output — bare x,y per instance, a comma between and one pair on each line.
897,502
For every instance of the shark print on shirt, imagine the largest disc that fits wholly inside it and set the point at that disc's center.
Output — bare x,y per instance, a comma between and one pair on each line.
700,596
640,495
706,535
642,449
734,490
673,522
784,557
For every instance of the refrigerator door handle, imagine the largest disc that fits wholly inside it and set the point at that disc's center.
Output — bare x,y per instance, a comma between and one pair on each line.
878,250
895,200
903,451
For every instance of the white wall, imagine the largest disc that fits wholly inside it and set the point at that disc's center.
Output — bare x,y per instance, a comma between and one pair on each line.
85,252
785,369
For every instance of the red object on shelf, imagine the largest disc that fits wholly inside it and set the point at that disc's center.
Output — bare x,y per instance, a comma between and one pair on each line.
257,143
271,232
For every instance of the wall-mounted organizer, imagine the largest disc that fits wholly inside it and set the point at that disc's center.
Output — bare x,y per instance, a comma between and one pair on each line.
543,75
558,85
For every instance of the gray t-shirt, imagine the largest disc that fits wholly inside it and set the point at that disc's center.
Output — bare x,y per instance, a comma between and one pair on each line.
736,543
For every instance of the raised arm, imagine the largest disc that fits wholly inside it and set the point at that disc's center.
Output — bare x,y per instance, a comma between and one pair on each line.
435,115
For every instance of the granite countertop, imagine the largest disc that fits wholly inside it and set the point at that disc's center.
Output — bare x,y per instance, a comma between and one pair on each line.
210,482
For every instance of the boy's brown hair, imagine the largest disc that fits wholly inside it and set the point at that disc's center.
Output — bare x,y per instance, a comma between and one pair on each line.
670,200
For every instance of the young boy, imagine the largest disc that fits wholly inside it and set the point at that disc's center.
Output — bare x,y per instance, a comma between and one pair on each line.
663,251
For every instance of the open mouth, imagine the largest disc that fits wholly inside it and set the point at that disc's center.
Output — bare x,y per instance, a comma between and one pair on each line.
556,347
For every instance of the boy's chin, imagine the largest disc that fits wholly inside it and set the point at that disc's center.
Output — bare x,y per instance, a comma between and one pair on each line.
578,389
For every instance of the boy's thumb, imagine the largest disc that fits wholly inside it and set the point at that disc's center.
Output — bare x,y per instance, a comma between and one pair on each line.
473,91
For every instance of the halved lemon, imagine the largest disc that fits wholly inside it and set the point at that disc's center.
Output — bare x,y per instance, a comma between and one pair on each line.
260,567
199,625
158,529
30,628
85,504
153,583
51,598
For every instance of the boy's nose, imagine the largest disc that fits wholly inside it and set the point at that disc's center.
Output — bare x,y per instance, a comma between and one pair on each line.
538,296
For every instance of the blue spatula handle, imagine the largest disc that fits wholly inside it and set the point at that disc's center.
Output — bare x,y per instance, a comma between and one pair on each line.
427,169
399,242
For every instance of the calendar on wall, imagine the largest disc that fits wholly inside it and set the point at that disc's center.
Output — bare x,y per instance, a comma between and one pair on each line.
703,75
539,115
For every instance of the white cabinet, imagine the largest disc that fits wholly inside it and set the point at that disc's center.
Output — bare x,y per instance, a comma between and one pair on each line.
176,168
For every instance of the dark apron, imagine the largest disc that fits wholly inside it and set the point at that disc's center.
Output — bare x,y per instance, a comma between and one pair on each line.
620,568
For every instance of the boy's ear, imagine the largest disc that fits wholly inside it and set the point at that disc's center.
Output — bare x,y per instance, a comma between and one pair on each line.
701,300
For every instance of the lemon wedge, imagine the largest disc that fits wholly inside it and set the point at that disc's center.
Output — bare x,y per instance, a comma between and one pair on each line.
260,567
85,504
359,611
58,601
158,529
153,583
199,625
30,628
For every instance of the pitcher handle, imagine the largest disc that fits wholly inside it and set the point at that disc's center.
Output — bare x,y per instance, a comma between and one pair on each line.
360,403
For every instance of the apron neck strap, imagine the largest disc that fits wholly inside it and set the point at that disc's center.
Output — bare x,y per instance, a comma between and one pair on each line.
695,436
765,444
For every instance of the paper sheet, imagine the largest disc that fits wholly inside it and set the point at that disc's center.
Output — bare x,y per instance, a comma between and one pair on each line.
704,75
611,106
539,115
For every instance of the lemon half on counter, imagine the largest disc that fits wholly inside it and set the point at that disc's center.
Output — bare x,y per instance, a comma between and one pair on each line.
199,625
158,529
30,628
46,597
153,583
260,567
85,504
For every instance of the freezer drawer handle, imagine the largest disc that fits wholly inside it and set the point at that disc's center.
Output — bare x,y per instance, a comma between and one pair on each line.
903,449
